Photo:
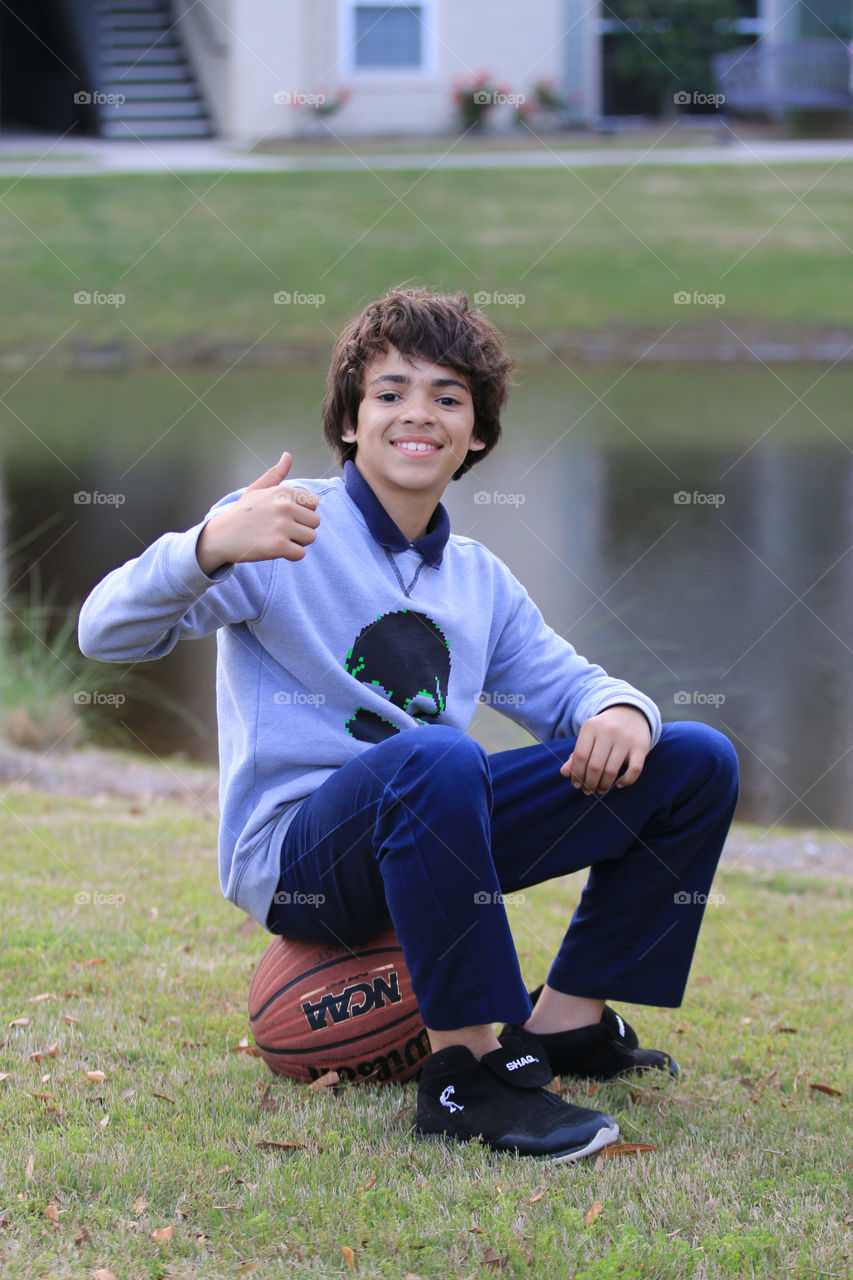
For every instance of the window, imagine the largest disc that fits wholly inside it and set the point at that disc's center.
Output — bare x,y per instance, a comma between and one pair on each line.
389,37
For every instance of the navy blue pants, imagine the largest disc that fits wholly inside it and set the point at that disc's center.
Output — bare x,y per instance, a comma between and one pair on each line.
425,833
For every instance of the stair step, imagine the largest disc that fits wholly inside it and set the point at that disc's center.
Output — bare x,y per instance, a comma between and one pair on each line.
105,7
156,129
161,90
134,38
124,21
127,57
157,111
147,73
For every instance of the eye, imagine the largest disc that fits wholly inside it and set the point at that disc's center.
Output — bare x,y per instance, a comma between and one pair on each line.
388,396
449,400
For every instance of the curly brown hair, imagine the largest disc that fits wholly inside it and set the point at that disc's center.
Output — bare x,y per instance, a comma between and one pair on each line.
430,326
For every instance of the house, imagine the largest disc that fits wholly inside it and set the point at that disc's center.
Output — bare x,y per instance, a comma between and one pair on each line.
251,71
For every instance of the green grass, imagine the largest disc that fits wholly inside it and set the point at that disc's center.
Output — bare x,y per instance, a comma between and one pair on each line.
198,258
751,1176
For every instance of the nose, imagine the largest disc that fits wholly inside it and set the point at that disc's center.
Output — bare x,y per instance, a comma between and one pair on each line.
418,408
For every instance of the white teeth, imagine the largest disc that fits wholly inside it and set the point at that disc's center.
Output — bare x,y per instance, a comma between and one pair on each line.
411,446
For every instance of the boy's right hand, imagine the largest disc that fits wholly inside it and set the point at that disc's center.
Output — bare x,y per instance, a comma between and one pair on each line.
267,522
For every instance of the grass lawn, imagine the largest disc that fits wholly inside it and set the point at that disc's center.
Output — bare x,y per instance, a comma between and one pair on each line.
750,1176
199,258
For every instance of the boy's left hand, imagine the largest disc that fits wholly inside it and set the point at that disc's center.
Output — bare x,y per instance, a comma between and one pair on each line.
617,736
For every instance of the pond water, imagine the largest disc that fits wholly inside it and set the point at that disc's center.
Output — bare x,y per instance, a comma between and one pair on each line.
689,528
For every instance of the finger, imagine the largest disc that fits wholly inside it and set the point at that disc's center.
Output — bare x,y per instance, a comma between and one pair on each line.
636,760
302,535
609,771
302,501
274,474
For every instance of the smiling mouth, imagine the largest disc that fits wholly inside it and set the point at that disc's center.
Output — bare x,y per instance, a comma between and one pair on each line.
412,446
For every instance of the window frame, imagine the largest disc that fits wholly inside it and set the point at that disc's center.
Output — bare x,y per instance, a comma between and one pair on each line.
429,44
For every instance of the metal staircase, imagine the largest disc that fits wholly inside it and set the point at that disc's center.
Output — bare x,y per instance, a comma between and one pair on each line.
147,87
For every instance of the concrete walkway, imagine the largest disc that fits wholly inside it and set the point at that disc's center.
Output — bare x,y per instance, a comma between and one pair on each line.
43,155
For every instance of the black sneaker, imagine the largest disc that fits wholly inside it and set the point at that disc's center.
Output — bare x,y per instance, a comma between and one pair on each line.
598,1052
611,1019
501,1099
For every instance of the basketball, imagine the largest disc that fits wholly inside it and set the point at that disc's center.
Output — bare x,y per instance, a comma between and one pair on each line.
315,1007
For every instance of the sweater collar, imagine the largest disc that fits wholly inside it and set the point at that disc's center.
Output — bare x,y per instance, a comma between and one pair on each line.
430,547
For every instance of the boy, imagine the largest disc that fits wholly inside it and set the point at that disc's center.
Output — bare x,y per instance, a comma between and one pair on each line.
355,635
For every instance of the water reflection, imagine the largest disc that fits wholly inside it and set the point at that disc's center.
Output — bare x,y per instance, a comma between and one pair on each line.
692,534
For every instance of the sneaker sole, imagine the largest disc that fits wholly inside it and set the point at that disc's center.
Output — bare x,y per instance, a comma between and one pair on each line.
604,1137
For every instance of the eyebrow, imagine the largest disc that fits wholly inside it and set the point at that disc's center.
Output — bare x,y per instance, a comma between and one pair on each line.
403,379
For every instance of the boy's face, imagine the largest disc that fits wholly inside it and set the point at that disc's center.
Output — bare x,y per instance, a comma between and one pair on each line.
415,424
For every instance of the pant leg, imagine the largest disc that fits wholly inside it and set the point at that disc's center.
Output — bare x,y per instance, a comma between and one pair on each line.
401,835
652,848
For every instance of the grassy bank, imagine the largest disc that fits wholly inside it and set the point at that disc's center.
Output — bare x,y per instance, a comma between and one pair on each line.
750,1176
199,259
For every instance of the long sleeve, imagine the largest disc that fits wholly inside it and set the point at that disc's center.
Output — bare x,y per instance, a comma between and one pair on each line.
538,679
142,609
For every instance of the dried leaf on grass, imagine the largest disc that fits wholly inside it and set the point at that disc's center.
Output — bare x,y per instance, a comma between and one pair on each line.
592,1213
243,1046
268,1144
324,1081
349,1256
96,1076
90,964
626,1149
164,1097
28,1169
827,1088
493,1259
19,1022
43,995
84,1237
101,1273
51,1211
538,1196
163,1233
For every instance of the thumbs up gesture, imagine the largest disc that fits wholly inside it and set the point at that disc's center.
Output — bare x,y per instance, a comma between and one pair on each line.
266,522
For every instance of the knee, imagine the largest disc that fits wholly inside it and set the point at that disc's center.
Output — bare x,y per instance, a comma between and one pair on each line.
707,753
438,750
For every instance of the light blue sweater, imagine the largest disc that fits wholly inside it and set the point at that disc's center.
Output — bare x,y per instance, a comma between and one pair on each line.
320,658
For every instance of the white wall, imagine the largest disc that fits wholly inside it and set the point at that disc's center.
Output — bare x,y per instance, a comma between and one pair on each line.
294,46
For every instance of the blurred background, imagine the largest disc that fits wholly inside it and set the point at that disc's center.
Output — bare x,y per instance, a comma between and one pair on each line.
651,200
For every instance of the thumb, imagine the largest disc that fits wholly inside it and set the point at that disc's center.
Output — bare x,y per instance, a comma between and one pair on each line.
274,475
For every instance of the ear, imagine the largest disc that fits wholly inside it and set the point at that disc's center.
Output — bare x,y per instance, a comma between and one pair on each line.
475,444
348,431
